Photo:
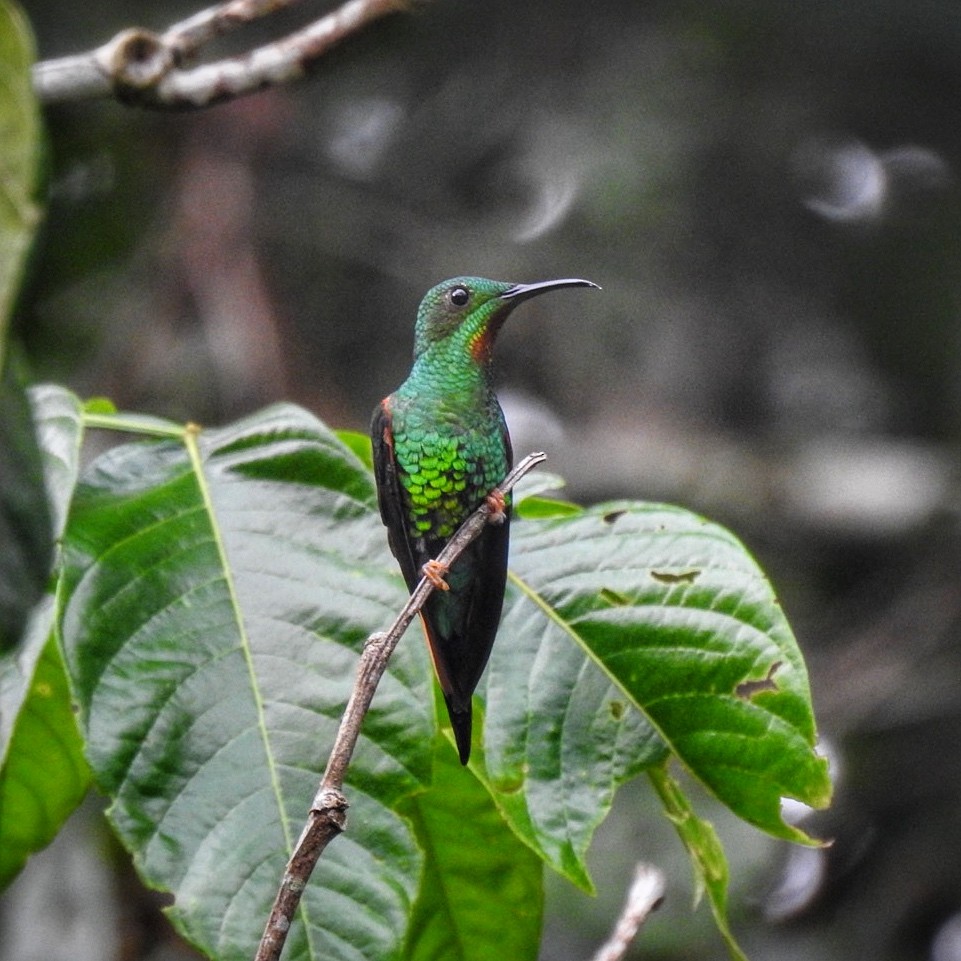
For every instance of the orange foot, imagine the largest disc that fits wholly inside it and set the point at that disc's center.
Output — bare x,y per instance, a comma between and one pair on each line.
496,504
435,572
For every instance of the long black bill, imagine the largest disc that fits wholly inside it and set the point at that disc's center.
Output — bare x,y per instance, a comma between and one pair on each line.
521,292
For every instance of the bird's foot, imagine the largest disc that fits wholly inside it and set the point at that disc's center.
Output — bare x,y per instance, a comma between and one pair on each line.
435,572
496,504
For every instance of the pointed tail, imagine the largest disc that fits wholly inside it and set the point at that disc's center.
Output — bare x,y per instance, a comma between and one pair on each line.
460,720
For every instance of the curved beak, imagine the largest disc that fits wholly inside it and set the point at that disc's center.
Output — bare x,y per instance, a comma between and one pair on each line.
521,292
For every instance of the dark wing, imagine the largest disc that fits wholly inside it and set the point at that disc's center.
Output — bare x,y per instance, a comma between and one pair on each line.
390,495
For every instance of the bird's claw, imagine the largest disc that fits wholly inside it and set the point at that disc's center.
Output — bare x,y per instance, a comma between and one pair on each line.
435,572
496,505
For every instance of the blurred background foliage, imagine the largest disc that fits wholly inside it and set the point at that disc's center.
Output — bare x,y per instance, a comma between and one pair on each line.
768,193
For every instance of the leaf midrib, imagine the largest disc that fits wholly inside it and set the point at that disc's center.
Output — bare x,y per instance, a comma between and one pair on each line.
197,464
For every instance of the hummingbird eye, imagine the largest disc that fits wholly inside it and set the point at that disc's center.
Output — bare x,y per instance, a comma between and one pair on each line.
459,296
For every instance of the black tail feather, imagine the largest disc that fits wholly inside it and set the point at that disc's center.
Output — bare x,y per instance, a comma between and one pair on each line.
460,720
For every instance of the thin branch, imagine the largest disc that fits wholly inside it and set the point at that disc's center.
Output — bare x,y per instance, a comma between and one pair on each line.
147,69
327,817
191,34
644,895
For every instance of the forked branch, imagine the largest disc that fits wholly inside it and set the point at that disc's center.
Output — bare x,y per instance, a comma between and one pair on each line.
152,69
327,817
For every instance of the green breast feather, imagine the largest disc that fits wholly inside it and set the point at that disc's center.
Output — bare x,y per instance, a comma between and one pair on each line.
446,477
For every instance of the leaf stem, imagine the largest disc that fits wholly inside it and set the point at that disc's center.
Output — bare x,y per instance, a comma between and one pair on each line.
328,812
135,424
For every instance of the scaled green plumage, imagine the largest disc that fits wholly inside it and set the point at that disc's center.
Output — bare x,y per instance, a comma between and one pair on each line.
440,447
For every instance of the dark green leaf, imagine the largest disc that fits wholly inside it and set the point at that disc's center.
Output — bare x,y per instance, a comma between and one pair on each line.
20,137
26,535
481,895
217,591
24,525
43,775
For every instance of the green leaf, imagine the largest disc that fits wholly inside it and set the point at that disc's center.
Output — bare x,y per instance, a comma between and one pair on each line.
101,413
19,156
217,590
43,775
359,445
676,615
534,507
481,896
59,424
559,736
707,856
529,502
25,526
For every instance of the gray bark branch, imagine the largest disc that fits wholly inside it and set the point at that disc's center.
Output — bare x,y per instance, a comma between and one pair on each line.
149,69
644,895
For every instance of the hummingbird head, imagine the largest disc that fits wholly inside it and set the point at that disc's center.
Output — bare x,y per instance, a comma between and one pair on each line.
465,313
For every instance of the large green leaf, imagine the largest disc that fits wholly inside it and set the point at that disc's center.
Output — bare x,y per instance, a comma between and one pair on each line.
677,616
24,525
19,153
26,534
217,589
43,775
481,896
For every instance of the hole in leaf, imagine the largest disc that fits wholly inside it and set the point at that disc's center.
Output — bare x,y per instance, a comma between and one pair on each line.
614,598
682,577
748,689
510,784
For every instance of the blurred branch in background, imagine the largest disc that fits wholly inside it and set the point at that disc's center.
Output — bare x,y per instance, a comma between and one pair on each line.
147,69
643,896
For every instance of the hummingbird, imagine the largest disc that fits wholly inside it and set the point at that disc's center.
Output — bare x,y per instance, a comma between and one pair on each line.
441,447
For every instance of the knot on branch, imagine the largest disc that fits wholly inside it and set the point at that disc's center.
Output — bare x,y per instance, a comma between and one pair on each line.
331,806
136,60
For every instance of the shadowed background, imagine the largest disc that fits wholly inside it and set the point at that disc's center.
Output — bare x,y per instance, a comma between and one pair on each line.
768,194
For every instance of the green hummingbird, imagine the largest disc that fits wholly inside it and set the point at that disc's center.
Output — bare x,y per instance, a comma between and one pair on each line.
440,448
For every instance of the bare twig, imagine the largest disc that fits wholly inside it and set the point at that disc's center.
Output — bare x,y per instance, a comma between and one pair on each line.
191,34
643,896
147,69
327,817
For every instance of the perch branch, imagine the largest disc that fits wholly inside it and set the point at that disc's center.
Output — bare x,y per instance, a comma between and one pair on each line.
328,811
643,896
149,69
